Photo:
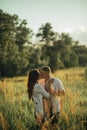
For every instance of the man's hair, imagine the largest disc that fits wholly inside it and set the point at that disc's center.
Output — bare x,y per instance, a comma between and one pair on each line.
46,69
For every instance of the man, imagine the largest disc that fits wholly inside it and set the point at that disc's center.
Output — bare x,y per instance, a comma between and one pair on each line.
52,106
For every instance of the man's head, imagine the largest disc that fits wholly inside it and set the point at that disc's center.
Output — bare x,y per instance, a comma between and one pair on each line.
46,72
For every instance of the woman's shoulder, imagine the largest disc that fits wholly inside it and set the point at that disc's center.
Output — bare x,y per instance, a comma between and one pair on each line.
38,85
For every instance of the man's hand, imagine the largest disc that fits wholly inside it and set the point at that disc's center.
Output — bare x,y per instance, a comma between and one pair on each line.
56,92
60,92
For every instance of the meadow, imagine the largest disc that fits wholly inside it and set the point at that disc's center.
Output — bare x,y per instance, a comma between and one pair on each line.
16,111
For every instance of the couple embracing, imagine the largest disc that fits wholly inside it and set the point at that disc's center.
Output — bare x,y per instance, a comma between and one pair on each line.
45,92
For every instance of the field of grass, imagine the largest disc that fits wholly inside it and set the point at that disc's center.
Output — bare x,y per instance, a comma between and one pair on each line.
16,111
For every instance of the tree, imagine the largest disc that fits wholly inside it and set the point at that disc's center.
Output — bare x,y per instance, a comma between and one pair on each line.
23,34
46,33
8,54
66,39
81,52
14,30
69,58
7,28
13,36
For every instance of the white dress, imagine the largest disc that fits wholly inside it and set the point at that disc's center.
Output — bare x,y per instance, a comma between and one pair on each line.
38,93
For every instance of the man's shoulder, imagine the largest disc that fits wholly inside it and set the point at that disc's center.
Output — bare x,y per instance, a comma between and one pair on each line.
55,79
51,80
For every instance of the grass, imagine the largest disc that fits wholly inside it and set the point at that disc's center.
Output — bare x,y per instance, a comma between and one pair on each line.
17,112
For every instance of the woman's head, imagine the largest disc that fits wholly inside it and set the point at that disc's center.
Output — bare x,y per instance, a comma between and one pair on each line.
32,79
34,75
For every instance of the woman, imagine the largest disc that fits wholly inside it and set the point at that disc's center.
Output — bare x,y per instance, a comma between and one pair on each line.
36,92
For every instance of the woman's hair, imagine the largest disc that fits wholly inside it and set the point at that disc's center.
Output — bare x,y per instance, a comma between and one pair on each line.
32,79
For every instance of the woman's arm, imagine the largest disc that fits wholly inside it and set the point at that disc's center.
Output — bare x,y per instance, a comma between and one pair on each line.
43,92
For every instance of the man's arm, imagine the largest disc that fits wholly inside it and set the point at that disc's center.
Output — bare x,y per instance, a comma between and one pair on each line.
49,87
52,91
61,90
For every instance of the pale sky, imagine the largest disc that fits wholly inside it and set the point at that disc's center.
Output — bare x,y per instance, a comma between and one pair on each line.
64,15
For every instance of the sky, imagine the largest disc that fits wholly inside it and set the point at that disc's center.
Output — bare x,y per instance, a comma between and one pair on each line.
64,15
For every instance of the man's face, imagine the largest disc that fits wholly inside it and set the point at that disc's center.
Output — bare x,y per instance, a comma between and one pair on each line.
43,74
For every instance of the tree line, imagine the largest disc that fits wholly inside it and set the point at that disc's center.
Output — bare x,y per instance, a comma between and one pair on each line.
18,54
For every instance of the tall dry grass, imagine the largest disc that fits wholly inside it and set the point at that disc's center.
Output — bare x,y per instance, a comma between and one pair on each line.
17,112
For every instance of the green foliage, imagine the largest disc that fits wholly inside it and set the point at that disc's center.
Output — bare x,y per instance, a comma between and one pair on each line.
69,58
66,39
23,34
46,33
13,36
18,55
81,52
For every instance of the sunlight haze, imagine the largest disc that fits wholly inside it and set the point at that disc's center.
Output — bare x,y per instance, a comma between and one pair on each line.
64,15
